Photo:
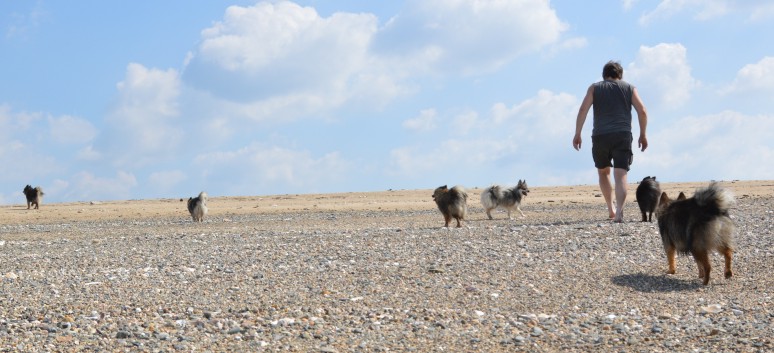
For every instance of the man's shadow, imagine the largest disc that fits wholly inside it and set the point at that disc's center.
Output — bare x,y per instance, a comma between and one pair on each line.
646,283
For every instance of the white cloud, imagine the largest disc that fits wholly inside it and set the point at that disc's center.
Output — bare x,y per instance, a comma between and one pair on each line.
253,168
280,61
469,37
69,129
530,132
144,123
701,9
663,71
85,186
547,112
426,121
758,77
724,146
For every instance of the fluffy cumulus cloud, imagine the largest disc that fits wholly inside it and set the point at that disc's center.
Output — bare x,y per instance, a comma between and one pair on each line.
275,56
461,36
709,148
519,138
757,77
663,72
143,125
36,145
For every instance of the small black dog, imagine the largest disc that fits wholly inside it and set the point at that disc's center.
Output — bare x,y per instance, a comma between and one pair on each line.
34,196
648,194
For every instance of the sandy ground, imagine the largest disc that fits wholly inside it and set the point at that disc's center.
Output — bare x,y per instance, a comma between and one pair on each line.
225,207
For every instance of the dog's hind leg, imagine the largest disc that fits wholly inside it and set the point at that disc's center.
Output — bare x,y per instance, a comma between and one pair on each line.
489,213
459,225
447,220
671,252
702,260
728,253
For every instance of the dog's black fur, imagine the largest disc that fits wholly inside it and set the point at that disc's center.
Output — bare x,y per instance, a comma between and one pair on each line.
34,196
648,193
697,226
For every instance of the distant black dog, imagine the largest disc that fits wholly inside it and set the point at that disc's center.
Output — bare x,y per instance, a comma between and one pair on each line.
647,197
197,206
452,203
34,196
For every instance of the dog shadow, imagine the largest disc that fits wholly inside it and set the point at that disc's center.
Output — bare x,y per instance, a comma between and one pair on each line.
646,283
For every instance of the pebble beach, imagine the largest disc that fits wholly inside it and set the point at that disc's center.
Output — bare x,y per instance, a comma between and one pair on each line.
376,272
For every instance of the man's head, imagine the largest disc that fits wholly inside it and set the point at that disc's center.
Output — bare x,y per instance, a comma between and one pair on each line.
612,70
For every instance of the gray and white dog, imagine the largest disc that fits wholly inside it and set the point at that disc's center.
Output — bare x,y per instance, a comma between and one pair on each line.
508,198
197,206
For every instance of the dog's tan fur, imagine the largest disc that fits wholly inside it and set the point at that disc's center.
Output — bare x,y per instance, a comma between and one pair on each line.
452,203
697,226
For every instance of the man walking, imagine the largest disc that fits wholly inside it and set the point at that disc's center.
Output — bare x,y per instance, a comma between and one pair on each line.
611,137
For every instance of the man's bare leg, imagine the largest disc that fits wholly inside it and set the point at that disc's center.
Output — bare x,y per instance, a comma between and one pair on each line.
620,192
607,189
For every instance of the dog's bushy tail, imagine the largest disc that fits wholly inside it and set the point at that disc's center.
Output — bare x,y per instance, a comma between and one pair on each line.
490,196
715,199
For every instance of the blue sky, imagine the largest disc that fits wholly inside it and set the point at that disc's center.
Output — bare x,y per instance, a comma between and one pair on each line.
105,100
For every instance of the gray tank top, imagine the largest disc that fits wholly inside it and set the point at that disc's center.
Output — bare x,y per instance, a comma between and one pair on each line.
612,107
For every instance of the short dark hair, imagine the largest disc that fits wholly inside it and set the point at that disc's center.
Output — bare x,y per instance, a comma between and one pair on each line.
612,69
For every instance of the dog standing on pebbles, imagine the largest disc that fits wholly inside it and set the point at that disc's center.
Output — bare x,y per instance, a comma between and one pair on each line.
34,196
697,226
648,193
509,199
197,206
453,203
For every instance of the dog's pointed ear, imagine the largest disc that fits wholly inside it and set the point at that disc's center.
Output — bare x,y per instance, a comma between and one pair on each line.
664,199
681,196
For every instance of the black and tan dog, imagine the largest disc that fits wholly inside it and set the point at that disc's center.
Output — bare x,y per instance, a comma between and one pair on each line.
34,196
697,226
197,206
508,198
453,203
648,193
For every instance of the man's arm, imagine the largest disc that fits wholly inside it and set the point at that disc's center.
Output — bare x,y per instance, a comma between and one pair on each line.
588,100
642,117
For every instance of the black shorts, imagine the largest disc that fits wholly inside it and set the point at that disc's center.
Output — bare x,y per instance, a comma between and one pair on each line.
615,146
